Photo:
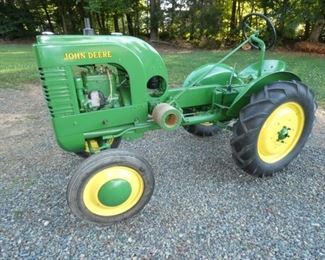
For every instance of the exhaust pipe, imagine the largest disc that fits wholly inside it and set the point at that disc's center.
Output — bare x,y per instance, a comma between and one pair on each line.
88,30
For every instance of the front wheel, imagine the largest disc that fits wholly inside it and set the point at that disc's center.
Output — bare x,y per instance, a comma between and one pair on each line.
273,128
110,186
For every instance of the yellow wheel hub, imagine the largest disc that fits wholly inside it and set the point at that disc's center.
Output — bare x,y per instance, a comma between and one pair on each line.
281,132
99,182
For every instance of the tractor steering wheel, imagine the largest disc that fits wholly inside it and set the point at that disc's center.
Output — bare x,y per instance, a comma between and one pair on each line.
260,25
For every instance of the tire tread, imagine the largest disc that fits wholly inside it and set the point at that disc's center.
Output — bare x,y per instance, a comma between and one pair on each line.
252,117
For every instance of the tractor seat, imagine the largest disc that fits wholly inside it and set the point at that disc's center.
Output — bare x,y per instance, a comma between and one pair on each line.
269,66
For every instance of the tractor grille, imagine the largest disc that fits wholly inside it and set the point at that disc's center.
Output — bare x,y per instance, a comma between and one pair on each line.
56,91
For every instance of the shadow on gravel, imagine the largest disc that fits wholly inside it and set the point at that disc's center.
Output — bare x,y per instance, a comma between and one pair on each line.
203,205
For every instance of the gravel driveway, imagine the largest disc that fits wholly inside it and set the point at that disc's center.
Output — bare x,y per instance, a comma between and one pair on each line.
203,206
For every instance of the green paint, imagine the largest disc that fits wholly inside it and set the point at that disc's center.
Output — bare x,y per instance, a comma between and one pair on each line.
283,134
124,65
256,85
114,192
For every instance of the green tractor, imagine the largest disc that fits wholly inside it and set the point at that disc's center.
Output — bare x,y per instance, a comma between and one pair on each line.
102,89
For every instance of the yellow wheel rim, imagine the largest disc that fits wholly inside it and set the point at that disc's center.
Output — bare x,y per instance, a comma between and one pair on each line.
207,124
96,182
281,132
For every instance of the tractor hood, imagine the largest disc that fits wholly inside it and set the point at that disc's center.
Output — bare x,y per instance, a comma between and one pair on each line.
135,55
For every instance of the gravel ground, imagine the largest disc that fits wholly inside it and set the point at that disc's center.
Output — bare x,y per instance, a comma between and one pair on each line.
203,205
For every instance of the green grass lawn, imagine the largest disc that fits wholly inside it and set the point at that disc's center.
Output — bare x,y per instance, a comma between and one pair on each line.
18,65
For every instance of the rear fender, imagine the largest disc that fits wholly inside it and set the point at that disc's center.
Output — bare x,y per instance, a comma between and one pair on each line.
212,74
244,95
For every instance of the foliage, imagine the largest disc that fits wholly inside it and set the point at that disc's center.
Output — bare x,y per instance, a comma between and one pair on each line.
15,21
208,23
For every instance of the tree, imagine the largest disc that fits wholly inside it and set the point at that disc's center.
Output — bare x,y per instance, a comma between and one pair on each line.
317,30
319,24
16,20
196,21
233,21
154,19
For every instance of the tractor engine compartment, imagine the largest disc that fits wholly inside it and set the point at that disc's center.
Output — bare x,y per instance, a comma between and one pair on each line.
101,86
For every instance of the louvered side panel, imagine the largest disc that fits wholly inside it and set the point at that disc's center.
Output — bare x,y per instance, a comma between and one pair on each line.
57,92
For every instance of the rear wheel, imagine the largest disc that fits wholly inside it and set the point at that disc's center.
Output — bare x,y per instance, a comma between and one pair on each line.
203,130
110,186
273,128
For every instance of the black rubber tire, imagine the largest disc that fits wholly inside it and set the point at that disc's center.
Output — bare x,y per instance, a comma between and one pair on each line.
252,117
202,130
96,163
115,144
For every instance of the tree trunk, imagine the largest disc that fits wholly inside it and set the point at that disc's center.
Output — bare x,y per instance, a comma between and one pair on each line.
48,17
265,10
172,16
239,13
136,17
130,24
101,27
285,7
81,10
193,19
64,25
253,7
116,26
136,24
123,24
316,31
154,19
233,16
72,19
62,10
103,20
82,15
307,29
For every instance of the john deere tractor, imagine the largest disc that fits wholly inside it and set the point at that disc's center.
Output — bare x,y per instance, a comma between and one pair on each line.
103,89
